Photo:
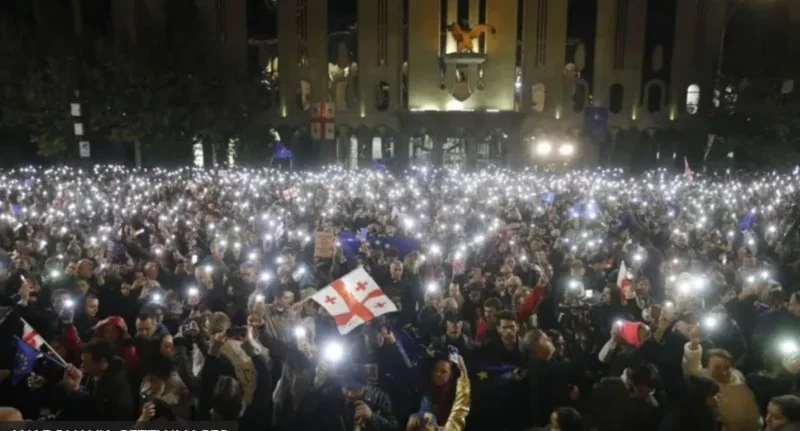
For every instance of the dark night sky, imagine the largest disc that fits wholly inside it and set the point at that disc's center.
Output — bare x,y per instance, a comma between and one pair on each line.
261,20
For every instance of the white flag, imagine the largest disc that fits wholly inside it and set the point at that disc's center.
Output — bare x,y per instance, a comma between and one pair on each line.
30,336
353,300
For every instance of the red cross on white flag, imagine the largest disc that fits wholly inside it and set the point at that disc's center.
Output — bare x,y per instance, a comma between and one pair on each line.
322,121
353,300
30,336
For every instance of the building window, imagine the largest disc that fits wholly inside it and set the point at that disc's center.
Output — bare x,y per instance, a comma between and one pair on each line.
579,96
382,97
377,148
538,97
693,99
655,96
304,95
616,98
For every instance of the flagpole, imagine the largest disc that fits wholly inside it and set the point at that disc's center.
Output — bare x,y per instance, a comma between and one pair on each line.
63,362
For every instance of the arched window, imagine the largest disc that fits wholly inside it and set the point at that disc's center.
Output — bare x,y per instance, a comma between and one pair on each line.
579,96
654,98
693,99
382,96
538,97
616,98
377,148
304,95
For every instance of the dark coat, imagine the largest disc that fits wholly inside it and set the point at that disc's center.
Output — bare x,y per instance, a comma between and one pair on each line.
108,398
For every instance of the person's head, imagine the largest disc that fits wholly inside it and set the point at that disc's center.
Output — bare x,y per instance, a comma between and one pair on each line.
227,399
10,414
720,365
151,270
84,269
125,289
507,327
794,304
566,419
781,411
91,305
491,307
146,324
284,298
538,344
96,357
396,270
256,318
577,269
453,290
441,373
166,346
642,379
454,325
558,342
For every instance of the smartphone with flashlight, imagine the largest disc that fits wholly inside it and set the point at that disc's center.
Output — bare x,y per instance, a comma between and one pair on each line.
452,354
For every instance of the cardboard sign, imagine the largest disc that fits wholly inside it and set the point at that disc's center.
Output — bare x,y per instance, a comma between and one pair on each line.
324,244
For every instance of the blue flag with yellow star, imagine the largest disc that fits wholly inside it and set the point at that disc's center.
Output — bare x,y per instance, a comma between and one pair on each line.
24,359
494,371
351,242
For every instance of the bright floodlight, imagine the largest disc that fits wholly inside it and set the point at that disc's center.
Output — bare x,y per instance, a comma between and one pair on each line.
566,150
333,352
544,148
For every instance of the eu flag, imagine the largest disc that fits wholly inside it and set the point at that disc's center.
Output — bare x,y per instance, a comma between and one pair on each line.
24,359
746,223
351,242
280,152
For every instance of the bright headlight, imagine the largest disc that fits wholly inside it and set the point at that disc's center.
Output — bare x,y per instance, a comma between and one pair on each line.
566,150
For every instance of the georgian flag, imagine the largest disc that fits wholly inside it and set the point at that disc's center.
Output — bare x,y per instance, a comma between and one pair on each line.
31,337
623,279
353,300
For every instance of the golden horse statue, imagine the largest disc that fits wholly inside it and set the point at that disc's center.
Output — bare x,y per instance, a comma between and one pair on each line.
464,35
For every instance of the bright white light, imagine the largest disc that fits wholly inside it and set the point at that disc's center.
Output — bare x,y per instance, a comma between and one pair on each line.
455,105
69,303
156,297
588,294
300,332
788,347
265,276
637,257
765,275
333,352
432,287
544,148
573,284
252,255
193,291
260,297
435,249
710,322
566,150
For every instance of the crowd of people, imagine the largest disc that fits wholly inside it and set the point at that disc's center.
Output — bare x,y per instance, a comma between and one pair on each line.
565,301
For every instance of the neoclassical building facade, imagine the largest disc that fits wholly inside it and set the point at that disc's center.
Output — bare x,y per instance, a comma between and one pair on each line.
406,89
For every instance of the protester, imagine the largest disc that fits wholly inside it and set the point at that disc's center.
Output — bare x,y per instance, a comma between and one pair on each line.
431,299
